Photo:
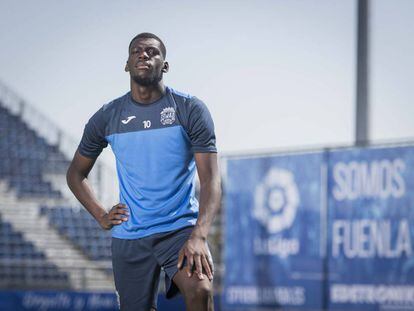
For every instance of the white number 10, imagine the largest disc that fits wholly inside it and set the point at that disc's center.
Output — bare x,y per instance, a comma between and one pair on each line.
147,124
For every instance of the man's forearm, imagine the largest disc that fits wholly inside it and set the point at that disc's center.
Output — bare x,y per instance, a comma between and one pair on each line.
80,187
210,200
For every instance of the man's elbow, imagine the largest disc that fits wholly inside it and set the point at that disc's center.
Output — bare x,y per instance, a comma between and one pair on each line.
72,176
69,175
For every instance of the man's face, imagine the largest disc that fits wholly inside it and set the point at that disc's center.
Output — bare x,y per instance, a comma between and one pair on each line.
146,63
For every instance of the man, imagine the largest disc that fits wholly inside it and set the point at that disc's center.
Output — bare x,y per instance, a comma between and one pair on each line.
159,137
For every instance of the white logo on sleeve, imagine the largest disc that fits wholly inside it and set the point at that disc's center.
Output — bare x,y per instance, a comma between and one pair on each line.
126,121
167,116
276,200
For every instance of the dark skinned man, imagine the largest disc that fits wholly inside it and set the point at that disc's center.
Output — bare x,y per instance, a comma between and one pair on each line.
160,137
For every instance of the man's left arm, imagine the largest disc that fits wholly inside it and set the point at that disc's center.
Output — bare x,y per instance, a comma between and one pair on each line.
196,249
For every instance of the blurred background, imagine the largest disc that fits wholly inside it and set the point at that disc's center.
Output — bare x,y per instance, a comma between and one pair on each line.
312,103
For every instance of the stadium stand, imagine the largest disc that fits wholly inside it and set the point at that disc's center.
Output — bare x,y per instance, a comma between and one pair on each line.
33,254
24,157
79,226
13,245
21,264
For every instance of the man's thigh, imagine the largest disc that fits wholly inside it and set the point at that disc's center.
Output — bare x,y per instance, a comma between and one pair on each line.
166,251
136,274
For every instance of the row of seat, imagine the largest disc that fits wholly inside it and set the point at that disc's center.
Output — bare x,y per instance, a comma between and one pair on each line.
26,276
22,264
82,229
25,157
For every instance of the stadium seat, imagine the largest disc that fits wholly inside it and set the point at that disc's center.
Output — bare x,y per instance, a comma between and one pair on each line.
21,264
80,228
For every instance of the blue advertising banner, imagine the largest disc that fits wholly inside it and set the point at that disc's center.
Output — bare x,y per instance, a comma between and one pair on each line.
57,301
371,229
274,240
76,301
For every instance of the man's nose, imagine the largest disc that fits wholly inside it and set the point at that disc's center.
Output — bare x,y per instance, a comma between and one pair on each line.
143,56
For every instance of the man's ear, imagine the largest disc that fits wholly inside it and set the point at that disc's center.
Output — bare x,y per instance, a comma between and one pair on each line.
166,67
126,67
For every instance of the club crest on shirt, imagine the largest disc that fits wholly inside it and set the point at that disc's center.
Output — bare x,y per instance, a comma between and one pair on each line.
167,116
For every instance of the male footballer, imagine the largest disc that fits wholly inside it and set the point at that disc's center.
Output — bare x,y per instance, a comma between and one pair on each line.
159,137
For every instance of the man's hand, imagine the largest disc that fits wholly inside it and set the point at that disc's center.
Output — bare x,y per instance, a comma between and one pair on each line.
117,215
198,255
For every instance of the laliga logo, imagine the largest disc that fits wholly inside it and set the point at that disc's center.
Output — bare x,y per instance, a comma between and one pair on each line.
276,200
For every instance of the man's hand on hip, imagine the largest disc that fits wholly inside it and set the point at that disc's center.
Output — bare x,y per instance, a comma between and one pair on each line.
116,216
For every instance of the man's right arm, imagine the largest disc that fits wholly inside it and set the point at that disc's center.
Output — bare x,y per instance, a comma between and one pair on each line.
77,179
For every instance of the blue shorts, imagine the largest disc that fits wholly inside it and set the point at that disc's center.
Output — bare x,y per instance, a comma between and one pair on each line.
137,266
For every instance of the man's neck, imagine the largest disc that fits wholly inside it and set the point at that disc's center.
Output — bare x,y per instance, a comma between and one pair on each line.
147,94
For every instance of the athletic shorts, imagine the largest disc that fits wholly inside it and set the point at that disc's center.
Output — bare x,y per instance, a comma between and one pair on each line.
137,265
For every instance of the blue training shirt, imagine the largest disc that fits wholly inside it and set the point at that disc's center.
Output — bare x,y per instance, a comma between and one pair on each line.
154,146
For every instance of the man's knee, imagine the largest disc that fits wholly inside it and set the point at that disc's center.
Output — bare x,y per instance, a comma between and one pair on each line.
203,290
200,291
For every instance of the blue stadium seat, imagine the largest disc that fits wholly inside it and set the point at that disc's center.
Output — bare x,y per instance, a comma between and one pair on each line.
23,266
80,227
25,157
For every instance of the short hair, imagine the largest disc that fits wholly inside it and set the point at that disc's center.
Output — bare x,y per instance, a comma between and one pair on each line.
148,35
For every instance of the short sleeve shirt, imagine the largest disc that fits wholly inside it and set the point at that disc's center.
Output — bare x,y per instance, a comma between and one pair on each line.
154,146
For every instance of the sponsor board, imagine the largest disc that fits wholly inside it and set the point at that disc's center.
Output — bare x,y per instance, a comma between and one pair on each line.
371,229
76,301
274,242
